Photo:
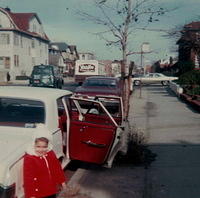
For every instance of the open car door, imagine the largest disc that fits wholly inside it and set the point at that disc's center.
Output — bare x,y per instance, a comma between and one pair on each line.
94,132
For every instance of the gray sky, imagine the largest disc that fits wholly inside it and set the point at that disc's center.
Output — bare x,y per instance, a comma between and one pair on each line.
61,24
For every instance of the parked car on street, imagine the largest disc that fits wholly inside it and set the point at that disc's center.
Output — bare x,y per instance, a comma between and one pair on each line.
151,78
77,132
46,76
100,85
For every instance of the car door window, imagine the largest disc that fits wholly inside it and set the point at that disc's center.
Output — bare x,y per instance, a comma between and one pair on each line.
62,116
91,111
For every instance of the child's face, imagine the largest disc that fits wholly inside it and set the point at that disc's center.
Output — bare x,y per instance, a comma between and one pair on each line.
41,148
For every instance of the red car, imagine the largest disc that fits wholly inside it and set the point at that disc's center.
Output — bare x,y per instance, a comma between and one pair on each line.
100,85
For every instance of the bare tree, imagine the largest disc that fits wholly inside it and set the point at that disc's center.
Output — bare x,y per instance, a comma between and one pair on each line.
120,19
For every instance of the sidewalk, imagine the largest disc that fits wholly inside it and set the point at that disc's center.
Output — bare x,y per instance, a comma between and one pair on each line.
15,82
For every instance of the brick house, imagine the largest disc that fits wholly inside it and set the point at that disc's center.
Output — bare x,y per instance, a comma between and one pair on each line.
189,44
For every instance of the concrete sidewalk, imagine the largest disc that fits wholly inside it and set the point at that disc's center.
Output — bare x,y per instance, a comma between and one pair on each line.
15,82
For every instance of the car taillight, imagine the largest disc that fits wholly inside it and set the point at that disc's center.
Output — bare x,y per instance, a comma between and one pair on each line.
7,192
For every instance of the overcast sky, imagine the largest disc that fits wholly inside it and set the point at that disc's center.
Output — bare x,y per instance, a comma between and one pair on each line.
62,25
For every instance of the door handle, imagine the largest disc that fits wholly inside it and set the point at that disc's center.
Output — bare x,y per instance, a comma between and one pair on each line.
82,129
90,143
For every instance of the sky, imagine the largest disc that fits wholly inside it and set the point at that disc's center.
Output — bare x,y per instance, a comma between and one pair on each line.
62,24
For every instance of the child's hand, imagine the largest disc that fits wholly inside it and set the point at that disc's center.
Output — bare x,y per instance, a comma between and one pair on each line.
64,186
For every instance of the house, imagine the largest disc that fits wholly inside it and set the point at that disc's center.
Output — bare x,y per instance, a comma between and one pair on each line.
66,55
23,43
189,44
70,57
86,56
55,56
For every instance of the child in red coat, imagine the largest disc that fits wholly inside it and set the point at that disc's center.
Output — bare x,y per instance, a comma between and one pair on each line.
43,174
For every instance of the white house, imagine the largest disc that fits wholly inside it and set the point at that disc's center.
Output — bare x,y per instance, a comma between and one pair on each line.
63,55
23,43
86,56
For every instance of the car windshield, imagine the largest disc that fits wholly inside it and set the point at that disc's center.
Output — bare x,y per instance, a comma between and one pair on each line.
137,75
21,112
42,71
100,83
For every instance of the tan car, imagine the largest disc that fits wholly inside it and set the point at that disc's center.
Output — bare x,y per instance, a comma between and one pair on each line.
152,78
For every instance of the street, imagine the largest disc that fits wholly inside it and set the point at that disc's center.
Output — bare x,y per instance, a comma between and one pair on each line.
172,130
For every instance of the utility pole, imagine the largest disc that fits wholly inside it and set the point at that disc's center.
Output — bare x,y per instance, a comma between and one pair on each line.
144,50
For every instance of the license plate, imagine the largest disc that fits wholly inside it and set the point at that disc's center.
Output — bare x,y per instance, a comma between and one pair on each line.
36,81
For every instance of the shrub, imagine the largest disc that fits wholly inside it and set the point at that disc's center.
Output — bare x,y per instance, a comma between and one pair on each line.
194,91
185,67
138,152
190,78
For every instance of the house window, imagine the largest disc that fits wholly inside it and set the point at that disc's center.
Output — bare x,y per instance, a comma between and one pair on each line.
34,28
33,61
16,40
4,39
21,41
5,62
1,61
16,60
33,43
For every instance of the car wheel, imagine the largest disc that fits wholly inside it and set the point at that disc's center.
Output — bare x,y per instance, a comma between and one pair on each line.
164,83
137,82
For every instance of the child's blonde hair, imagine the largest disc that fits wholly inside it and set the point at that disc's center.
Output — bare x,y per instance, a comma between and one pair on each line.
42,139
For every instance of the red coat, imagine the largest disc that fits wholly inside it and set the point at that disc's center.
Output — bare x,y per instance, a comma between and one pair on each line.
42,175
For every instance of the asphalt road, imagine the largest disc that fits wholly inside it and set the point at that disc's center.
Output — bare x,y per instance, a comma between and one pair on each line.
172,130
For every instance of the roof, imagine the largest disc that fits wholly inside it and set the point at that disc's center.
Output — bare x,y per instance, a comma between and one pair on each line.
32,93
193,25
21,21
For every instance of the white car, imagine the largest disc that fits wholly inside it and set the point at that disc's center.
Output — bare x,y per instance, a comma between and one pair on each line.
77,133
151,78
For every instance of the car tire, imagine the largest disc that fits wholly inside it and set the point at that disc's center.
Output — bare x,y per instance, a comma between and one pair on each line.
137,82
165,83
